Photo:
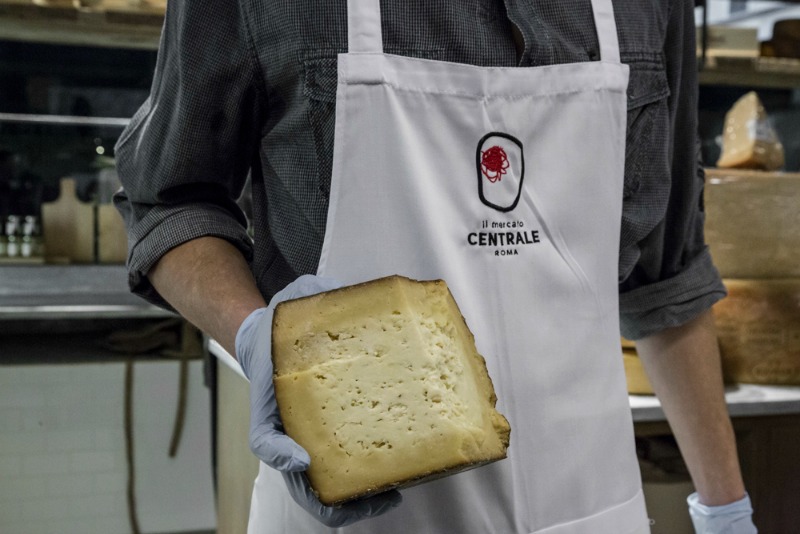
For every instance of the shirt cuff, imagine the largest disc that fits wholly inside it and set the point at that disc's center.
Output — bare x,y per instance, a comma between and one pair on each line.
166,227
649,309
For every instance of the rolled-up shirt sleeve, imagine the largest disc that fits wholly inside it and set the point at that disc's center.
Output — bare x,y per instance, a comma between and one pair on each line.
183,159
668,276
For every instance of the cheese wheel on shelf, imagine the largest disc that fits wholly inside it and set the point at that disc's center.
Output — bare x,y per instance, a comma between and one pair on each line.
635,376
758,325
752,223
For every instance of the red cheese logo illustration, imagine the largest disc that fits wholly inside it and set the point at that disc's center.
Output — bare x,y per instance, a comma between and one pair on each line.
494,163
501,169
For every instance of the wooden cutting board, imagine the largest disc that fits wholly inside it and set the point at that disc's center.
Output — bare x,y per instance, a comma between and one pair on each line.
68,227
112,240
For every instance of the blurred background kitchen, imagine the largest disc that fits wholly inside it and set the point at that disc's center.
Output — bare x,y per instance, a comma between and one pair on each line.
109,407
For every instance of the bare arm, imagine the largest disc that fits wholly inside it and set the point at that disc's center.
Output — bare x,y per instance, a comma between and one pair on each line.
683,364
208,282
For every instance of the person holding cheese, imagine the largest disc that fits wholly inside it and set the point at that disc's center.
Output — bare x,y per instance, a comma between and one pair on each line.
540,158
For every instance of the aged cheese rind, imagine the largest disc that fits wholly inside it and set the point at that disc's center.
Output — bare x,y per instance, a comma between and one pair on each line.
382,384
635,376
752,223
758,325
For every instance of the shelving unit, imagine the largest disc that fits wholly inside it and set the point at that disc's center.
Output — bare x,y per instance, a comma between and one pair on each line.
58,292
765,418
762,72
758,72
109,23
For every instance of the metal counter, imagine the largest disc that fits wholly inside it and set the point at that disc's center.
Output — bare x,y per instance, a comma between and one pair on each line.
743,400
70,292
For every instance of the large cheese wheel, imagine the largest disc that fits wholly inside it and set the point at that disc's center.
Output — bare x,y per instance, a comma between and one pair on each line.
382,384
759,331
635,376
753,223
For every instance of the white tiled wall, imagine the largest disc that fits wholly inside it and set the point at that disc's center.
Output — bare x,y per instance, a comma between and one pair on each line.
62,451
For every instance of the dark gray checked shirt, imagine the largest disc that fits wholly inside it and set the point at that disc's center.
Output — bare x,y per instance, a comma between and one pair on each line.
249,85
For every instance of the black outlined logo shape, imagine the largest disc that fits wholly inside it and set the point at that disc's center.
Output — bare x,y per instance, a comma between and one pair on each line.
501,169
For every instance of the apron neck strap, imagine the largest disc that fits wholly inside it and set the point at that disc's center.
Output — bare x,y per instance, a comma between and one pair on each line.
606,30
364,28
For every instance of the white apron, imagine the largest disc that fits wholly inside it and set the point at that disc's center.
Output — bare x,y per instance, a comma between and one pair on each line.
506,183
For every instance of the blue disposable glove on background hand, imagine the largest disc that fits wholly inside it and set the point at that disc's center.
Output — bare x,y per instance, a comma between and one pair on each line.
267,440
733,518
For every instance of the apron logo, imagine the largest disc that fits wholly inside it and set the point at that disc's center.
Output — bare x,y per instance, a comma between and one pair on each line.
494,163
501,168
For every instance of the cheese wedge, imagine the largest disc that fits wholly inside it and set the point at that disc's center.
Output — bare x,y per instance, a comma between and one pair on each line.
382,384
748,139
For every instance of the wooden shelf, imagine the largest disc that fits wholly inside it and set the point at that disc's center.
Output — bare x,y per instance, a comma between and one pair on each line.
109,23
761,72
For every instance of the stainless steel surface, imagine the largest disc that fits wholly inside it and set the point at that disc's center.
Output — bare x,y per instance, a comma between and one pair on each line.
79,312
743,400
69,120
70,292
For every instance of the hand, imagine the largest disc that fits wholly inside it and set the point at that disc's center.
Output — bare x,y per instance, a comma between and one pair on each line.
339,516
253,351
267,440
733,518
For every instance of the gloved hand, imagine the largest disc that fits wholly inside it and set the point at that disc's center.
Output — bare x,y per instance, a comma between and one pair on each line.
339,516
267,440
733,518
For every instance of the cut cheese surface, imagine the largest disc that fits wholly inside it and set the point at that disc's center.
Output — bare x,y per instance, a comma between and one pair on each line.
382,384
748,139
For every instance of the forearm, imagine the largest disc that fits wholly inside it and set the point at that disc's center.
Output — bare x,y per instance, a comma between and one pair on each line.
208,282
683,365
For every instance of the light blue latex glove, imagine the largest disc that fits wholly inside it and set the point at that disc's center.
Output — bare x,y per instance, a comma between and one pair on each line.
267,440
733,518
340,516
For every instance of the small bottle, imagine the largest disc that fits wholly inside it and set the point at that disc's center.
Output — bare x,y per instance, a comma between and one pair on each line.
13,246
32,244
30,225
13,225
27,247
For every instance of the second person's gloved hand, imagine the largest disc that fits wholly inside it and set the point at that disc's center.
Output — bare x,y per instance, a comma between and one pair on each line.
267,440
733,518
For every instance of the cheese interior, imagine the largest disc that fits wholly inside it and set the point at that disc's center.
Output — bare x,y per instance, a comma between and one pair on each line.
382,385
